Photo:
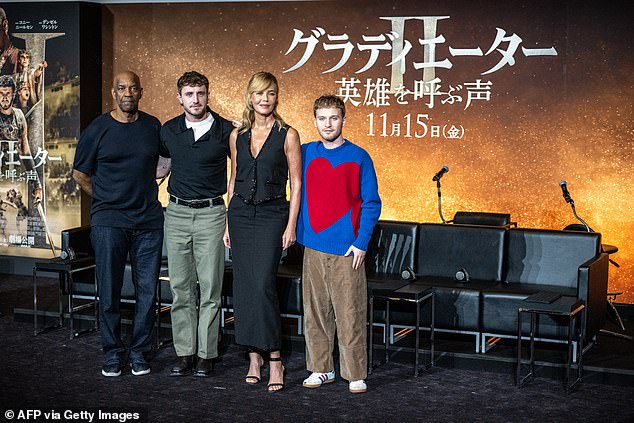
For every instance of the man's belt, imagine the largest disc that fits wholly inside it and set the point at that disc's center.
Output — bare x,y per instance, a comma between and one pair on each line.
197,204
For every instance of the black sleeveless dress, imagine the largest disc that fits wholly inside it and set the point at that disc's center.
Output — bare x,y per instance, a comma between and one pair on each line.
257,217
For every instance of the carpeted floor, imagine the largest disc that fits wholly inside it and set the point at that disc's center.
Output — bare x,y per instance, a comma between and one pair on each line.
50,371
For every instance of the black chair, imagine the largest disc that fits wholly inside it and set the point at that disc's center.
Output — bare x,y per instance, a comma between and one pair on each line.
501,220
612,295
289,285
76,273
389,263
444,253
569,264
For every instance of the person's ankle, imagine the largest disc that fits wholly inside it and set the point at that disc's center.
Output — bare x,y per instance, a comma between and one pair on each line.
255,358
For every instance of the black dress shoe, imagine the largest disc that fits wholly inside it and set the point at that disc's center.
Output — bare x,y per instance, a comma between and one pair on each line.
184,366
204,367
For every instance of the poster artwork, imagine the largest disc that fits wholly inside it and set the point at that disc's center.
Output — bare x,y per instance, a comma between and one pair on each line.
35,164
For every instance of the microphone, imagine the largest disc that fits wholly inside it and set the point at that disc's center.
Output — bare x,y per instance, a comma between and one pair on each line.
564,190
441,172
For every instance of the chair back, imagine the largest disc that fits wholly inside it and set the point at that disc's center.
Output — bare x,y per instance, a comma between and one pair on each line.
444,249
549,257
392,247
79,240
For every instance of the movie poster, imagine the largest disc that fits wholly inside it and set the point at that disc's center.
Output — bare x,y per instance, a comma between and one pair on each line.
39,126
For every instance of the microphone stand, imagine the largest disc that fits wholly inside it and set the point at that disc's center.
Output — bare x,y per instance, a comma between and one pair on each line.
574,212
440,202
616,312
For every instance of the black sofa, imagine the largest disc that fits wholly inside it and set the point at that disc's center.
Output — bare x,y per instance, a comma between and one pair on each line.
563,262
289,279
440,252
504,266
78,239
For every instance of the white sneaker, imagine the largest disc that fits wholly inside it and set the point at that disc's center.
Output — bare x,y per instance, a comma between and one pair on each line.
358,386
315,380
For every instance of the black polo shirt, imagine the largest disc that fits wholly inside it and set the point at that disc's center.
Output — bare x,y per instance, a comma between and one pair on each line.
121,160
199,168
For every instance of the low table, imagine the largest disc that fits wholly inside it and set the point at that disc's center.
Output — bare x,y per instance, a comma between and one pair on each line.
409,292
65,271
574,310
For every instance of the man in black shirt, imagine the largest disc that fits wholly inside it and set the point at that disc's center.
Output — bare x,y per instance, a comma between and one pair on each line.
115,162
196,144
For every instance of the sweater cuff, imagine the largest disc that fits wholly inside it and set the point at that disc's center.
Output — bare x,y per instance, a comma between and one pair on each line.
361,243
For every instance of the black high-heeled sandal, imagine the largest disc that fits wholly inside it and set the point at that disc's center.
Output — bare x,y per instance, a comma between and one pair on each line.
281,385
255,379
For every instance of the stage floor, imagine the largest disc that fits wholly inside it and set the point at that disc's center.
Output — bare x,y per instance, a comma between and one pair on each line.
49,370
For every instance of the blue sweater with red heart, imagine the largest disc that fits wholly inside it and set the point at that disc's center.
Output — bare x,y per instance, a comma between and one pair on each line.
340,198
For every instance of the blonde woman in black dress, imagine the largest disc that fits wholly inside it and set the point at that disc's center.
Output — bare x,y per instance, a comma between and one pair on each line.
265,153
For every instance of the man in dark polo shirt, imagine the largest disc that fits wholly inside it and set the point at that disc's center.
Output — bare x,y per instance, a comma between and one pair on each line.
197,144
115,162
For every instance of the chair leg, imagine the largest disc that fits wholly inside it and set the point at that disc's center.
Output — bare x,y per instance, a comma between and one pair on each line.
432,329
388,329
70,307
417,334
518,368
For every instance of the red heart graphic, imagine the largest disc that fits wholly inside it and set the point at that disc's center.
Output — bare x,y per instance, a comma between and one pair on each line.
331,192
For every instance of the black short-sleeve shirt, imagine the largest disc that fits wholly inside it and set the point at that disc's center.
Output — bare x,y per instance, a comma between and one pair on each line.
121,159
199,168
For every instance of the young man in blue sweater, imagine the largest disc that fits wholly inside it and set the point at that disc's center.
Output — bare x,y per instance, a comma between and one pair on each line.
340,206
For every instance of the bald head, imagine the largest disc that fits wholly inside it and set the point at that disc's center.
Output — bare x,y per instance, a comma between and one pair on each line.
126,75
126,92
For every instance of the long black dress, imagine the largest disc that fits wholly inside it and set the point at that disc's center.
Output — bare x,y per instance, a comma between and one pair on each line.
257,218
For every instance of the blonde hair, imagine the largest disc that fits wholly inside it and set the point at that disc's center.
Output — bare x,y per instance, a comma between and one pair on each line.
260,81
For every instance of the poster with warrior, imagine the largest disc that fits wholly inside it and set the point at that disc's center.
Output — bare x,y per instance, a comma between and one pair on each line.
39,126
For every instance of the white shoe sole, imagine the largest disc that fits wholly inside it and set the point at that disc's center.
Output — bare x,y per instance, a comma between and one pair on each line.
359,391
317,385
142,372
111,374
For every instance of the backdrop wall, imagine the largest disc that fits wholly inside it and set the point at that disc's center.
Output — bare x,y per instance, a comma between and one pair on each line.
512,97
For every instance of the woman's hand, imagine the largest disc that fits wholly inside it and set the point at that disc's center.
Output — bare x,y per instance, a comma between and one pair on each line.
288,238
225,237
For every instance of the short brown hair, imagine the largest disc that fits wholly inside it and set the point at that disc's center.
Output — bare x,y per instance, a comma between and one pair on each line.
328,102
192,79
